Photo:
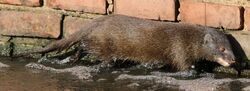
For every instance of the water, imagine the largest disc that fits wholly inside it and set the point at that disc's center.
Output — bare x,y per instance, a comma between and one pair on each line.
20,78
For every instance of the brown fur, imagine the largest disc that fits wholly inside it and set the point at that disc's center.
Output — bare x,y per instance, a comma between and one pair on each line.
123,37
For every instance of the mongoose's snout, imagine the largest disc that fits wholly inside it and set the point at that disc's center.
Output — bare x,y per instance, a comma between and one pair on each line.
225,62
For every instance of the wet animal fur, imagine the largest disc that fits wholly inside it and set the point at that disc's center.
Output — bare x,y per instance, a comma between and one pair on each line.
123,37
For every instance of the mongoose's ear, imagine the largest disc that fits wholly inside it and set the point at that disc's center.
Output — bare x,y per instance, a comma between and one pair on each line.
208,38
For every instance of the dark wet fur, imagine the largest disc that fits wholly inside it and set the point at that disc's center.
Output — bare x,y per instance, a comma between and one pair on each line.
128,38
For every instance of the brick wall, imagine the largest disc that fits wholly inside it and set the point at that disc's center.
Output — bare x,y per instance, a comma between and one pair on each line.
25,23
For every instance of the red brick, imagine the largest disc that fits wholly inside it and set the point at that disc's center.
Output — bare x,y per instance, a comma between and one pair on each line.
209,14
31,24
22,2
91,6
73,24
150,9
192,12
247,18
223,15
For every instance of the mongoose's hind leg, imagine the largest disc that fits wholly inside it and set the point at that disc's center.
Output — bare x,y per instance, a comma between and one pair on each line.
74,58
79,53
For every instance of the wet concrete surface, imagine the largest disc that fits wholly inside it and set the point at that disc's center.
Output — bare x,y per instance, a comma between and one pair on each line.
82,72
2,65
29,75
246,88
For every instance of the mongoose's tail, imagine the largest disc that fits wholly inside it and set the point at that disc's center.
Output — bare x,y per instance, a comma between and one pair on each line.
54,46
59,45
68,42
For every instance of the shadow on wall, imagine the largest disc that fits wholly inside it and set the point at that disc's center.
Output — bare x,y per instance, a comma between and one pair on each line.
241,57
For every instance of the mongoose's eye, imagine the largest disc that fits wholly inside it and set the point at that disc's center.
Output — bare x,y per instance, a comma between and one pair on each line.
222,49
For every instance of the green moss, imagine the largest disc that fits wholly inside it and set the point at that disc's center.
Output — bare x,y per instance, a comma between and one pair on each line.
22,45
89,58
31,41
22,48
4,46
4,49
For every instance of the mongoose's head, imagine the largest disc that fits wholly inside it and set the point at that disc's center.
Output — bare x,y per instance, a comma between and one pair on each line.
217,48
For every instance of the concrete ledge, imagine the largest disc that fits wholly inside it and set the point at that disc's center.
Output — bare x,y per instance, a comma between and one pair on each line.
240,41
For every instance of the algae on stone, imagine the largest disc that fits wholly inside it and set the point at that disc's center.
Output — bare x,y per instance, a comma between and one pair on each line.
22,45
4,46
